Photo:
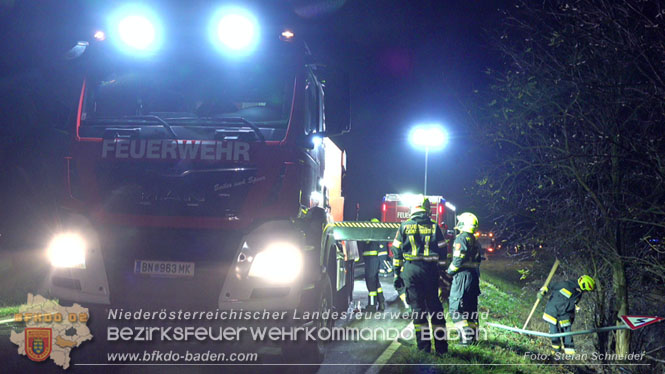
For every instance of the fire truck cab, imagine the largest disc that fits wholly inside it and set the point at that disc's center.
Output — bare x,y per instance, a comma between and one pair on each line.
200,170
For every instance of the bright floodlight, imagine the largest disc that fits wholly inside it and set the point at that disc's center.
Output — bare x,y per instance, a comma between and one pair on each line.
135,29
235,31
137,32
430,136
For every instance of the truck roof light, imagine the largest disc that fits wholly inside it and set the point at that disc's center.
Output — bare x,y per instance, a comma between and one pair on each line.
450,206
135,29
287,35
137,32
235,30
99,35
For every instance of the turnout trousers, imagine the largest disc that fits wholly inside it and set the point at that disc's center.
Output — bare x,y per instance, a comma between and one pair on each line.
463,304
421,283
375,295
560,321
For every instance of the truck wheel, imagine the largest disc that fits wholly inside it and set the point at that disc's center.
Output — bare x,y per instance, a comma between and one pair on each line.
307,351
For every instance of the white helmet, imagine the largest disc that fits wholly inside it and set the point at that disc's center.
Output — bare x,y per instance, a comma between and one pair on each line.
467,222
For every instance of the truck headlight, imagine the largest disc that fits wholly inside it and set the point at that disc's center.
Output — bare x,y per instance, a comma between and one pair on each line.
279,263
67,251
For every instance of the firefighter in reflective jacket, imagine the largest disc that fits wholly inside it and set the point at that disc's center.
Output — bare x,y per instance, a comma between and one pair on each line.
560,309
465,287
372,253
417,249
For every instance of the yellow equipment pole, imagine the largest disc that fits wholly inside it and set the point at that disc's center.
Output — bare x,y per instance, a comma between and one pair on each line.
547,283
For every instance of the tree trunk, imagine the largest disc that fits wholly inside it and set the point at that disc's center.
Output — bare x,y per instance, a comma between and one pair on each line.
622,346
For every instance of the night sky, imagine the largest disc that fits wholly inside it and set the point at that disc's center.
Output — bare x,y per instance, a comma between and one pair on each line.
410,62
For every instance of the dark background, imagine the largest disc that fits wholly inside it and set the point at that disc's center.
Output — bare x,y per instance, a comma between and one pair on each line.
410,62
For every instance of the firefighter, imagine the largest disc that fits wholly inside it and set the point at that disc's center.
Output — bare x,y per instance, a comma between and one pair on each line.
465,287
372,253
560,309
417,249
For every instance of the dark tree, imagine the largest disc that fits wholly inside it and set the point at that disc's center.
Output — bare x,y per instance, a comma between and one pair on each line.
575,121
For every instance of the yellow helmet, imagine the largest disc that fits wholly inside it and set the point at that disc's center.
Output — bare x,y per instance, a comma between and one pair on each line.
425,204
375,220
586,283
467,222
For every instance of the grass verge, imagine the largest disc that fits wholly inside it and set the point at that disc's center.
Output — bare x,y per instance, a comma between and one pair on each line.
504,302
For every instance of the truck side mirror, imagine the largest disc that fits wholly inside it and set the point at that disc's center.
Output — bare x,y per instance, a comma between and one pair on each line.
336,100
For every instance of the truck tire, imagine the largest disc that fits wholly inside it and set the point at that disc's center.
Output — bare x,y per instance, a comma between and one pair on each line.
307,351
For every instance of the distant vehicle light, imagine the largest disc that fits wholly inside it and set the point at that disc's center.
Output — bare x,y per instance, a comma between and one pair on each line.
491,235
411,200
235,31
287,35
99,36
490,249
384,207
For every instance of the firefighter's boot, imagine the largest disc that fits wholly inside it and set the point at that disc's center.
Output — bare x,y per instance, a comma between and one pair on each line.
382,301
423,340
439,334
466,332
371,301
402,296
441,346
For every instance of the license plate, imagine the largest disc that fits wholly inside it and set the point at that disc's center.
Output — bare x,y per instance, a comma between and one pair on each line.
164,268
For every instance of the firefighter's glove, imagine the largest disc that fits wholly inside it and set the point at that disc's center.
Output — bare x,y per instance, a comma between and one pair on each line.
398,283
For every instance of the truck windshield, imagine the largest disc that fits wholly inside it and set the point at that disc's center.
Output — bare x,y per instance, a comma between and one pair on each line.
189,96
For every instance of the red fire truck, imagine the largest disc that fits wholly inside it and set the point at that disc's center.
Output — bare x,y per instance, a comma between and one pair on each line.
200,172
397,208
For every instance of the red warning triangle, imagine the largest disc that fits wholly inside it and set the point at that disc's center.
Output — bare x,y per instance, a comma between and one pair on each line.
635,322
